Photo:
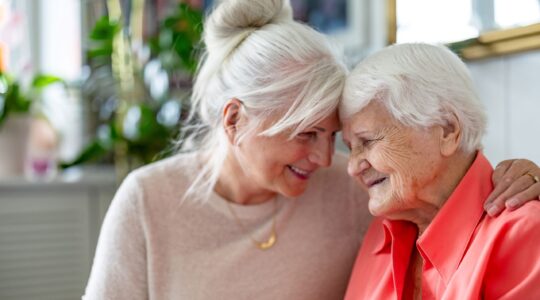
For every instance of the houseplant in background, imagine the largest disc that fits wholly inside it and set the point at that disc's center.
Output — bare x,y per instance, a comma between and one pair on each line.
138,85
17,107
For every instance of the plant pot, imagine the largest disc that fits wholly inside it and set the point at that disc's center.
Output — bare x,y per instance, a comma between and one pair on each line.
13,145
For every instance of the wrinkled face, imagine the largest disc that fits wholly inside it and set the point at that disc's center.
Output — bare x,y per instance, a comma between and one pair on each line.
283,165
397,164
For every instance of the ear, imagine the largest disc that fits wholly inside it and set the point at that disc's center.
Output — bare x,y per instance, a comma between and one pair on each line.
450,137
232,114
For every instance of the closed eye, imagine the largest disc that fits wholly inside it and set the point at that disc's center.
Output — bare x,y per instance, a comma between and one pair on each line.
307,135
369,142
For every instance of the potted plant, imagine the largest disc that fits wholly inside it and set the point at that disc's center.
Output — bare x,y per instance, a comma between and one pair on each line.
15,115
138,97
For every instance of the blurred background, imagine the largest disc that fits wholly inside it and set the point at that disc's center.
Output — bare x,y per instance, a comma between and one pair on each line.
91,89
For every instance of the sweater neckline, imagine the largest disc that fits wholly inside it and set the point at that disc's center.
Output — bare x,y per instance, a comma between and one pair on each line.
251,211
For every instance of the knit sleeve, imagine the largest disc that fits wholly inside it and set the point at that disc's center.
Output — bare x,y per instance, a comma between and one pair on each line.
119,270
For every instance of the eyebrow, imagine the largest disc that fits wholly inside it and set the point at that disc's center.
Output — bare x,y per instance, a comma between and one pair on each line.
361,132
320,129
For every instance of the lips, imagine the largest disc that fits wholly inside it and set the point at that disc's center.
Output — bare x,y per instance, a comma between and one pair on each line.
300,173
373,182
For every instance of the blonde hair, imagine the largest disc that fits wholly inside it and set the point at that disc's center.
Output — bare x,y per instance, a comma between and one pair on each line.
255,52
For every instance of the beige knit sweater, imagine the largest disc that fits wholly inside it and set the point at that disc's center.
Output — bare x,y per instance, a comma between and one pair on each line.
153,246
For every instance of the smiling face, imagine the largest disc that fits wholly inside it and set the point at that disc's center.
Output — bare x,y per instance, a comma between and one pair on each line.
397,164
279,164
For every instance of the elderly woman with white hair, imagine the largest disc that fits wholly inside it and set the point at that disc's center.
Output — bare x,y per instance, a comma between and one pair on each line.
253,207
414,126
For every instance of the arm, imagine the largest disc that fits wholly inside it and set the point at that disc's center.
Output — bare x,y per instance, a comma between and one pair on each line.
513,185
119,269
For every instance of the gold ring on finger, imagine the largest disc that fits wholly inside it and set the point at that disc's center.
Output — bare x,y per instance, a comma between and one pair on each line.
534,177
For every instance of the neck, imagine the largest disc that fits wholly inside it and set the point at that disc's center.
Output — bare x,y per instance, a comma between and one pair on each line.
236,186
435,196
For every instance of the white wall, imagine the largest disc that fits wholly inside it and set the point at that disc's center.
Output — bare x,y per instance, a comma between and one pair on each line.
58,27
510,89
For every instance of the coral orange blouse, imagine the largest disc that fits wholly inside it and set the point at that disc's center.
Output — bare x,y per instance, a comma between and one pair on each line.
467,254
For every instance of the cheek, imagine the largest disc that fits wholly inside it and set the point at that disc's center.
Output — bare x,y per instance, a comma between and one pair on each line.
275,160
397,159
292,152
410,166
258,158
394,156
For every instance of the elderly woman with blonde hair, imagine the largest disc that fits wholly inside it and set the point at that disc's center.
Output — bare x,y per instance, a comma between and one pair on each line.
414,125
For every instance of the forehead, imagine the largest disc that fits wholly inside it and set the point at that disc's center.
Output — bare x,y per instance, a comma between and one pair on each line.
329,123
371,118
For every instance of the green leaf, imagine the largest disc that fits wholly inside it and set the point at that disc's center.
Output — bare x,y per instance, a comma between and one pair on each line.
15,101
140,125
3,110
104,49
102,36
104,29
180,32
4,86
93,152
43,80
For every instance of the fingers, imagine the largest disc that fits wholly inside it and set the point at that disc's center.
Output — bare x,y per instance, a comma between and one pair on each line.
523,197
502,179
499,171
511,183
493,205
514,196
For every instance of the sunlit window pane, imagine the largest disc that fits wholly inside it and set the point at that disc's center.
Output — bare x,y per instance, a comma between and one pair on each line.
509,14
434,21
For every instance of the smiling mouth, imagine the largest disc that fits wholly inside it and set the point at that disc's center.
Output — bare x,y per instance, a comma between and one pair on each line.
376,182
299,173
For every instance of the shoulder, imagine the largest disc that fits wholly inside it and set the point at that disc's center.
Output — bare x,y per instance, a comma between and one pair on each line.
159,184
513,233
513,249
178,165
523,219
167,175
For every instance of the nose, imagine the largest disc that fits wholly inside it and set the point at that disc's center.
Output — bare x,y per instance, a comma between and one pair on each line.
322,153
357,164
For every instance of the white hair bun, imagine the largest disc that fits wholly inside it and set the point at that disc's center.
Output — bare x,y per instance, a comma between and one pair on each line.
233,20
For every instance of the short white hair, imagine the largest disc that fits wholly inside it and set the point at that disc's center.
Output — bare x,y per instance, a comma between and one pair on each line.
420,85
277,67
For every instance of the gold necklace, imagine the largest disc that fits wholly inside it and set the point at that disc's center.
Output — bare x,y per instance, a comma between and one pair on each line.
265,245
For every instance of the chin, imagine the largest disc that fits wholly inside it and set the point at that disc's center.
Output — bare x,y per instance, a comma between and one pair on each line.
377,207
294,192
